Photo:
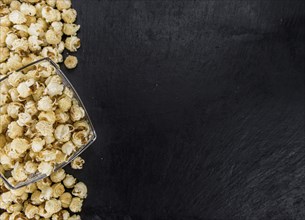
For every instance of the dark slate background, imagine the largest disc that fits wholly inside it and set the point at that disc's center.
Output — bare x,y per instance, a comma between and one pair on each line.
198,106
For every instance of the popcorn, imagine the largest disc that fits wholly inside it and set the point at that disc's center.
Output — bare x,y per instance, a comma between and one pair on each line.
72,43
51,3
16,17
52,53
30,20
21,30
30,188
58,190
61,117
57,27
19,192
69,15
63,214
2,141
19,173
24,88
80,138
17,215
8,39
70,29
4,215
68,148
15,78
4,122
45,104
28,9
3,34
69,181
3,68
30,211
65,103
30,26
60,47
7,197
15,5
77,112
50,14
41,124
44,199
63,4
76,204
44,128
36,29
52,206
52,37
45,168
47,116
58,176
5,22
30,167
14,130
19,145
14,208
77,163
71,62
20,46
36,198
65,199
4,54
14,62
30,107
34,43
54,88
46,193
80,190
63,132
75,217
24,119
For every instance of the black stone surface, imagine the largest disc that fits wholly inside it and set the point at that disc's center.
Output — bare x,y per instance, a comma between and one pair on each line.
198,106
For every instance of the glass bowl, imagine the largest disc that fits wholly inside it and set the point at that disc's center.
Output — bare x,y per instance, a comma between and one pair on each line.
38,176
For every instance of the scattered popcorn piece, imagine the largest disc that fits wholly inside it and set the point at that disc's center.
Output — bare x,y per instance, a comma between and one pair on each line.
77,163
71,62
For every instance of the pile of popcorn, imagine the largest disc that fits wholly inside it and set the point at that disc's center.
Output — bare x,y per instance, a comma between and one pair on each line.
41,123
32,29
57,197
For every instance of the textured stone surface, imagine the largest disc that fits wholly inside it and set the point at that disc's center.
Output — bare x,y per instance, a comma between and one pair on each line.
199,109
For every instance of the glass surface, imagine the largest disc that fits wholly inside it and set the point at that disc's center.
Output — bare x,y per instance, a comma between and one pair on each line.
36,177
